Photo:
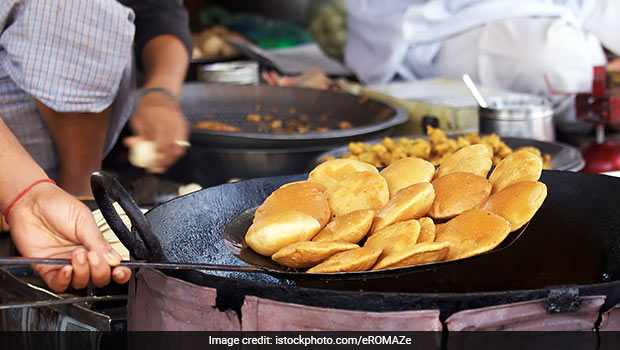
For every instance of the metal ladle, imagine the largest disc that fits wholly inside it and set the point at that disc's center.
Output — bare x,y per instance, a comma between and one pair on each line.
474,91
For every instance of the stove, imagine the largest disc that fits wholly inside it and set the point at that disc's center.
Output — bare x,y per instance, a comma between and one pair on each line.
20,285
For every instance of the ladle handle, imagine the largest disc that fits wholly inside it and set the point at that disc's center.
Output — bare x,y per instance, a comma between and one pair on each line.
105,189
475,91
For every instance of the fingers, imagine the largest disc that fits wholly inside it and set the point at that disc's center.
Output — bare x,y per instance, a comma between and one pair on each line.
121,274
92,263
168,154
130,141
57,278
99,269
81,268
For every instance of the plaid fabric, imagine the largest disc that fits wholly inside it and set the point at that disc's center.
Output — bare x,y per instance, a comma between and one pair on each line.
71,55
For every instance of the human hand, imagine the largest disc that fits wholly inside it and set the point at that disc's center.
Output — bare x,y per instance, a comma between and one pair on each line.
159,119
47,222
313,78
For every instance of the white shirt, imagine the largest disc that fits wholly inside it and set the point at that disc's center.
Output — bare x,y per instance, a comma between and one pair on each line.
390,38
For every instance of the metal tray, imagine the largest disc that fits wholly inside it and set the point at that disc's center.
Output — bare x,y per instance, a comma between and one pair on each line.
563,156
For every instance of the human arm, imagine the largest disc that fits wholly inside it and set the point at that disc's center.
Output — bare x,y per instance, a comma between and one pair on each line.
158,118
162,48
79,140
47,222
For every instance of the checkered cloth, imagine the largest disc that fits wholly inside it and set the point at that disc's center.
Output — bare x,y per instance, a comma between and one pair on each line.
71,55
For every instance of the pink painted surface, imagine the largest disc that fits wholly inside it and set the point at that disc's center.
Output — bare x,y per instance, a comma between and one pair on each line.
160,302
527,316
268,315
611,320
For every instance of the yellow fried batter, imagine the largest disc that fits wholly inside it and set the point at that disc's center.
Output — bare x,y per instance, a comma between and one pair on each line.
434,149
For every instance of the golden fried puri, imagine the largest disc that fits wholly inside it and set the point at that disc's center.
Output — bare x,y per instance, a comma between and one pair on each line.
407,171
427,230
317,185
332,171
438,228
357,191
517,203
351,227
274,232
471,159
474,232
421,253
456,193
411,202
305,197
518,166
395,237
307,253
358,259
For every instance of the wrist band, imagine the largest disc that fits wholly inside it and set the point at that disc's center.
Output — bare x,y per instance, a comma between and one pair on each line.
159,90
21,194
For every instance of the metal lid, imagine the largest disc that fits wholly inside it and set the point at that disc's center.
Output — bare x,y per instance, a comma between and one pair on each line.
522,107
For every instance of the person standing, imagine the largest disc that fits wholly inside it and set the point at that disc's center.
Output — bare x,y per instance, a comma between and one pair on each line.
503,44
67,88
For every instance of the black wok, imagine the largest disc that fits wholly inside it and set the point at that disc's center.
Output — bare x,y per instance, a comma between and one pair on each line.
258,151
570,249
231,104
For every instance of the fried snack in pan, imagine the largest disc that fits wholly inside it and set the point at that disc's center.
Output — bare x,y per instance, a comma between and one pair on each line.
307,253
274,232
438,228
351,227
474,232
395,237
316,185
473,159
420,253
411,202
305,197
456,193
517,203
427,230
358,191
332,171
407,171
517,167
358,259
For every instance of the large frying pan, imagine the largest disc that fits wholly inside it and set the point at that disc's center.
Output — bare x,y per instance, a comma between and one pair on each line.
258,152
231,104
572,245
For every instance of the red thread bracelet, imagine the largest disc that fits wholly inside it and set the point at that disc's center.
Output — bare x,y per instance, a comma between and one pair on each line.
23,193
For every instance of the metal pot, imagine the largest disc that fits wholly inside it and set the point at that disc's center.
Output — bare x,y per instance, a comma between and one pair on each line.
528,117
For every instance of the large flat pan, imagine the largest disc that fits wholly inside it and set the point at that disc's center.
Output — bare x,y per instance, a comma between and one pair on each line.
563,156
231,104
571,248
573,239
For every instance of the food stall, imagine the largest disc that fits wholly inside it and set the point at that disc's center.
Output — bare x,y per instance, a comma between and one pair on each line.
560,271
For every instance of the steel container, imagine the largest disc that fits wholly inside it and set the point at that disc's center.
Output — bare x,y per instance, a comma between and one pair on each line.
527,117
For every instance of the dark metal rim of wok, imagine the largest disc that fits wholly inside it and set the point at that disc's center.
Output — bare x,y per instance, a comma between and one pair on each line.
234,240
569,158
286,97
